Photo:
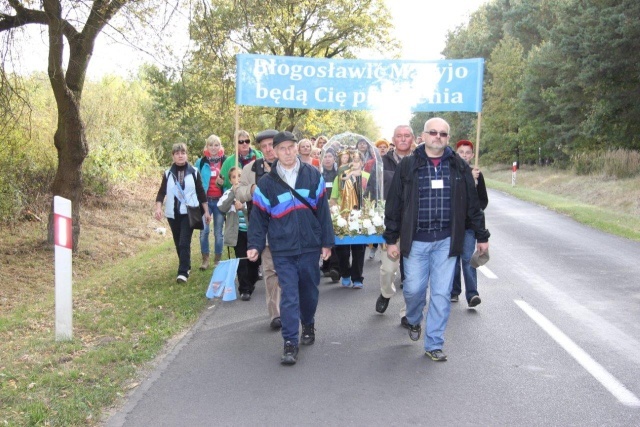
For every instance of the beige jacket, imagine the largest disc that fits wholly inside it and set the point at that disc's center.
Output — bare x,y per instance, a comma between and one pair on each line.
247,181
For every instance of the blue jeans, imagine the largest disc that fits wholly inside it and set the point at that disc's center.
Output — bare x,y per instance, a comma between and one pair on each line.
429,262
469,273
299,276
218,222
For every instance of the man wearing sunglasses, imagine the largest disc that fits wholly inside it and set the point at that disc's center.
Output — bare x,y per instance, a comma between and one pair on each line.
431,196
246,154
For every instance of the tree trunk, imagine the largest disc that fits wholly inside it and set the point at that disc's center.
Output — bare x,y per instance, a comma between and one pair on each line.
67,83
71,144
279,118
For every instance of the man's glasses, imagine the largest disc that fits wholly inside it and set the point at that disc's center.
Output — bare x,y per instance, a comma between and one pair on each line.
244,141
436,133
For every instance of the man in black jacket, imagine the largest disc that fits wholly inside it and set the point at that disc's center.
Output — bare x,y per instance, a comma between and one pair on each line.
430,198
464,149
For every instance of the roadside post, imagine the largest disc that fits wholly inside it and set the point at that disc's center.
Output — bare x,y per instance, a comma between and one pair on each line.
514,169
63,255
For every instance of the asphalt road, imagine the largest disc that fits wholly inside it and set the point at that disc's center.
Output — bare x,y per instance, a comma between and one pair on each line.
556,341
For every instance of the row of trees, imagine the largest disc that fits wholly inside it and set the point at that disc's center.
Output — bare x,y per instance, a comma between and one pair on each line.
185,103
561,77
199,98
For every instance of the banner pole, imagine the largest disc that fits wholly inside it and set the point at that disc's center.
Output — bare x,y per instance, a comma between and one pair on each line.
478,139
235,142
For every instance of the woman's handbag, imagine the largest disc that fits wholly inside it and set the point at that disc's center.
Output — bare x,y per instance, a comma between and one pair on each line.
195,217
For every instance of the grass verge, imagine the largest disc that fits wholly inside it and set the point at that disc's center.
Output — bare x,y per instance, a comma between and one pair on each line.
123,316
610,221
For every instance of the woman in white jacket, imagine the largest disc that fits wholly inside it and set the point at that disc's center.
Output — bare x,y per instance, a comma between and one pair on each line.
183,187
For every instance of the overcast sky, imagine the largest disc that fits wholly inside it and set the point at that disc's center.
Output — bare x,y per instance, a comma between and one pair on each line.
420,25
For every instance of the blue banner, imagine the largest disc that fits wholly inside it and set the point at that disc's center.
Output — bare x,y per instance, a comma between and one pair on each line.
355,84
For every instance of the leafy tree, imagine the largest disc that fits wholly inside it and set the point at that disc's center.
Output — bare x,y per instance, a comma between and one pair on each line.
306,28
462,124
500,112
72,25
478,38
114,112
598,41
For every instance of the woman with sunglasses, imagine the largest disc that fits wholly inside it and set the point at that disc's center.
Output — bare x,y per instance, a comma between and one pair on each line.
246,154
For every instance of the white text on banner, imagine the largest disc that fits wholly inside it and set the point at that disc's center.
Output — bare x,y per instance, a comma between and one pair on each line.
354,84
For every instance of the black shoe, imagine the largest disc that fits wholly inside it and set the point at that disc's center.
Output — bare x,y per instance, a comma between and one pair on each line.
414,332
475,300
455,298
381,304
335,275
404,322
245,296
276,323
290,354
308,334
436,355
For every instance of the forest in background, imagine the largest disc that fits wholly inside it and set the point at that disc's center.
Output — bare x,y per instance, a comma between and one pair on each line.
561,87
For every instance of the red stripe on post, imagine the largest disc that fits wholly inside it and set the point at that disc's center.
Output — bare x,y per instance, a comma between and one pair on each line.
62,228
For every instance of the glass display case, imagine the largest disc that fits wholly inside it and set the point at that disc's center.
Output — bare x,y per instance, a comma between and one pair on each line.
352,169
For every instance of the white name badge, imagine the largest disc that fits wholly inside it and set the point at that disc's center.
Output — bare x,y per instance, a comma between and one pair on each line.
437,184
329,185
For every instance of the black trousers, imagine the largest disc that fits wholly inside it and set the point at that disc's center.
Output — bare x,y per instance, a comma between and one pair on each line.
247,270
182,233
353,270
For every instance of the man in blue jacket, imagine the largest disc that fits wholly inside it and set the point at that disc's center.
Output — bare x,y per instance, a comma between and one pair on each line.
290,208
432,195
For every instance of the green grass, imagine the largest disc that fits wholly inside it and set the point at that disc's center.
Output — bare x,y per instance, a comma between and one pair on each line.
609,221
123,316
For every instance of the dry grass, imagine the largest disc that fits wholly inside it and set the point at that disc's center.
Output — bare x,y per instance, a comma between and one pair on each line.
618,195
113,227
121,318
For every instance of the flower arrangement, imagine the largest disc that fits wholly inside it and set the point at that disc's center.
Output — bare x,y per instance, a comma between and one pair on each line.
366,222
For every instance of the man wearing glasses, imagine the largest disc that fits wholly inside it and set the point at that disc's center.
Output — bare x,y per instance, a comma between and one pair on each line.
246,154
431,196
402,139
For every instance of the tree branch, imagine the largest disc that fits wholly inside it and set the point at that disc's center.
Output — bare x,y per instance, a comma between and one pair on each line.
22,17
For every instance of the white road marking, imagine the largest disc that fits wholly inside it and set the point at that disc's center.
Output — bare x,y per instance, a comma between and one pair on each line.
609,382
487,273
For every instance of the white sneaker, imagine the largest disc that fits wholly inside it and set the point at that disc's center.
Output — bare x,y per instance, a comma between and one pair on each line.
372,252
181,278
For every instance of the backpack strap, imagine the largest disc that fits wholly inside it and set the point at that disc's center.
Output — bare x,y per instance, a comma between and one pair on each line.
201,165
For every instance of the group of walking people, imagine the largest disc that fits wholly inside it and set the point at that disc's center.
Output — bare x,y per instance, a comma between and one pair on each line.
277,207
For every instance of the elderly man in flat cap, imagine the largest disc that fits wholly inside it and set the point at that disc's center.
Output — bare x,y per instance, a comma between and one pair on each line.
290,207
251,174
